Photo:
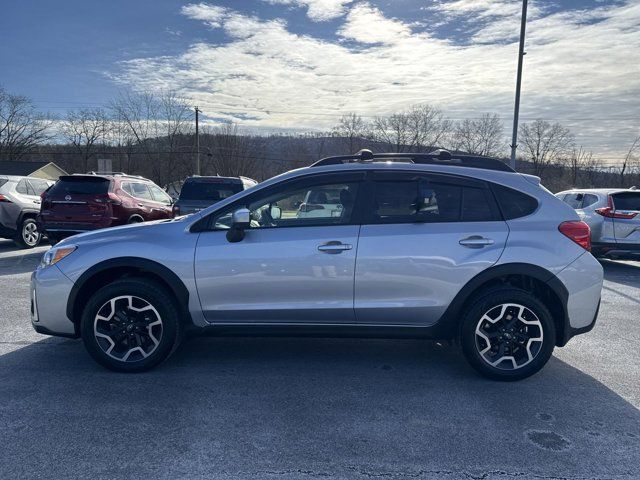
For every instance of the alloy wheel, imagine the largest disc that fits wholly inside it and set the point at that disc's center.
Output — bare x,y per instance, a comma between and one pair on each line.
128,328
509,336
30,233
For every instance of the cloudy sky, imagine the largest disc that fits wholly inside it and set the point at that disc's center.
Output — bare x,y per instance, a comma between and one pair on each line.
300,64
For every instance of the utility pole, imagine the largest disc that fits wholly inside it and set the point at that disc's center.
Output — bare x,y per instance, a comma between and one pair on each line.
516,110
197,142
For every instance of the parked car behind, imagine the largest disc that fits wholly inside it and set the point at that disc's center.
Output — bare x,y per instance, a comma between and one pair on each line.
19,207
614,217
425,245
77,203
200,192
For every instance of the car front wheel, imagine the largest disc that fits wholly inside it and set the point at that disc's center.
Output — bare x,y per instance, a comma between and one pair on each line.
507,334
131,325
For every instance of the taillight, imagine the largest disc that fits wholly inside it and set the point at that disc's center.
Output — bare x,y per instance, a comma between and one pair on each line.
175,210
577,231
4,199
610,211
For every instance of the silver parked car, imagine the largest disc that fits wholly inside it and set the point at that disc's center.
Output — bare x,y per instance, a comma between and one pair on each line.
614,217
426,245
19,207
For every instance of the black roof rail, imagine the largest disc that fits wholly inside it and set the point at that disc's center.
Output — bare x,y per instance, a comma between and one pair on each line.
436,157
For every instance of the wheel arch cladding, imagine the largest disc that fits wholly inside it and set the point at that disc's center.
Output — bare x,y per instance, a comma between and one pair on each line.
125,267
531,278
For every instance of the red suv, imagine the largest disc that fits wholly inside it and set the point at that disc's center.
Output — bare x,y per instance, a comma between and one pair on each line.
77,203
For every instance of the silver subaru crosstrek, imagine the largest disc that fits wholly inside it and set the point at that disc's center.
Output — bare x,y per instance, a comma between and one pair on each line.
422,245
613,214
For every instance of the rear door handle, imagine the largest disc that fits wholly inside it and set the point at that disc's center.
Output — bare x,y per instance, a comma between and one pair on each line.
334,247
476,241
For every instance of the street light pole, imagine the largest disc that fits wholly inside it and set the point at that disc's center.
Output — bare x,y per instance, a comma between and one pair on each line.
516,110
197,143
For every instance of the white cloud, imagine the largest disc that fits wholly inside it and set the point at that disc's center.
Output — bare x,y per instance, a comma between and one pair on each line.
318,10
581,69
211,14
367,24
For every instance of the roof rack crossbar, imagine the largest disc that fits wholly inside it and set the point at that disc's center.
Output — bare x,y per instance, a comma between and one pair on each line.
436,157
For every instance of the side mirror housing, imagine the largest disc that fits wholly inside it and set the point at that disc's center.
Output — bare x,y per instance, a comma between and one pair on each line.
241,219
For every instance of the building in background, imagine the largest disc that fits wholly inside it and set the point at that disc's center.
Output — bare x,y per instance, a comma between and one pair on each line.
45,170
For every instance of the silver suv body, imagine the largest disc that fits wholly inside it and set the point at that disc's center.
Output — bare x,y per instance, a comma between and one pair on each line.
423,245
19,207
613,214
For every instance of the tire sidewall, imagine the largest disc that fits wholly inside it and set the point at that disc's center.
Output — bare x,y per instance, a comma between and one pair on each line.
492,299
148,291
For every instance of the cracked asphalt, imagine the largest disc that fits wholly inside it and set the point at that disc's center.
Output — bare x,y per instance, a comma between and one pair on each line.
266,408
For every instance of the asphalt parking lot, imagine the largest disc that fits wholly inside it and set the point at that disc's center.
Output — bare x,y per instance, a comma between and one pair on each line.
306,408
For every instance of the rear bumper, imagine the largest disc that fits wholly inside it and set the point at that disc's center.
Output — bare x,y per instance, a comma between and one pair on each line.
583,281
622,251
71,228
50,289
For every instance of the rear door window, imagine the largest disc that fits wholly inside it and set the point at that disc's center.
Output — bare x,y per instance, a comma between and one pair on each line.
38,185
574,200
24,188
80,186
589,199
431,198
140,190
626,201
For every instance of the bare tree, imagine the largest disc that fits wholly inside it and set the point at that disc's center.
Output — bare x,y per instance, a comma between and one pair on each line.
545,143
630,159
231,152
578,161
353,130
86,129
157,123
421,128
483,136
22,128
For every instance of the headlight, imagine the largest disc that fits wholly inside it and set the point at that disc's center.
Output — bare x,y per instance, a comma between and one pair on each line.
54,255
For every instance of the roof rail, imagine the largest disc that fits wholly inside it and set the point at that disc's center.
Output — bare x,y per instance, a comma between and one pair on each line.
115,174
436,157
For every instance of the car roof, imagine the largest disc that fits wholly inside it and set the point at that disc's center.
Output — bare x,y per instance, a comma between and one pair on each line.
105,176
208,178
598,190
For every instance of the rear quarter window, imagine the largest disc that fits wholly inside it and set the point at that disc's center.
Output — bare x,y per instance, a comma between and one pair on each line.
514,204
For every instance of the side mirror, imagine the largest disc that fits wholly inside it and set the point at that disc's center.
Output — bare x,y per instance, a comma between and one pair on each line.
276,212
240,220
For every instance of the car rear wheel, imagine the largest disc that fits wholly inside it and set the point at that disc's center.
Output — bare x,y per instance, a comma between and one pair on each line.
507,334
27,235
131,325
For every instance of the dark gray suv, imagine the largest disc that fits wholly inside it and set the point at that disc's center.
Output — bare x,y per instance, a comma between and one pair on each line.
200,192
19,206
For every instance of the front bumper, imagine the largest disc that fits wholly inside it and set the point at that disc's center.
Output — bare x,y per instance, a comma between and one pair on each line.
50,289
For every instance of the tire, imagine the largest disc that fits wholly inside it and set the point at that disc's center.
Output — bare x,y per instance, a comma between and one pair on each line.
136,341
27,235
135,219
501,347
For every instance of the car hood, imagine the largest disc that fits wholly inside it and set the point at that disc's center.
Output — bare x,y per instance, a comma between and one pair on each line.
114,233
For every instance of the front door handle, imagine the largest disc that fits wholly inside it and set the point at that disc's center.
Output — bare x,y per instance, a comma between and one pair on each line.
476,241
334,247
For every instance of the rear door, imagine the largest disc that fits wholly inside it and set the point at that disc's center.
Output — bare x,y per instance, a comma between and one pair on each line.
626,222
425,237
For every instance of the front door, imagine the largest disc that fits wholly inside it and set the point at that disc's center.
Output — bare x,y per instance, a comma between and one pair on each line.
426,236
290,267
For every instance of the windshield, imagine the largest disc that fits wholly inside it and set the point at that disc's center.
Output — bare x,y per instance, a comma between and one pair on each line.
208,190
